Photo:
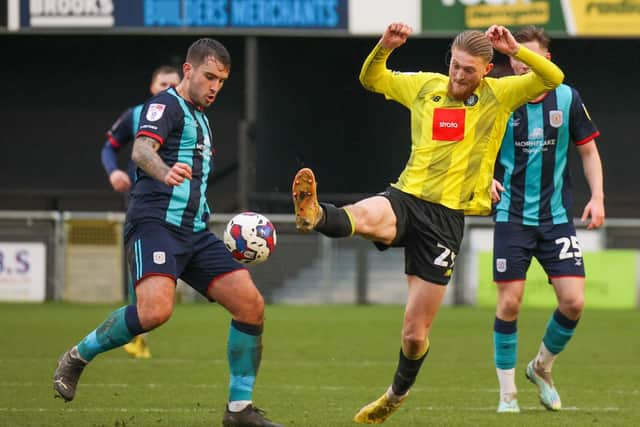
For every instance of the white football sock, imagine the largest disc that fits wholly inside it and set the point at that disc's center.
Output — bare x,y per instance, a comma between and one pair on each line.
545,358
507,381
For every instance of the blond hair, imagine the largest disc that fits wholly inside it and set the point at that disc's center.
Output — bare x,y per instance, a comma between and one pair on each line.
475,43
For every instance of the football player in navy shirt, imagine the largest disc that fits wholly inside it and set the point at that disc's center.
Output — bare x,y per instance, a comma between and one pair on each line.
123,131
532,189
120,135
166,236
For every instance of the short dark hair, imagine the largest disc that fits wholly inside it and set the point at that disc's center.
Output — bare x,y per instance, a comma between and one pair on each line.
164,69
531,33
204,48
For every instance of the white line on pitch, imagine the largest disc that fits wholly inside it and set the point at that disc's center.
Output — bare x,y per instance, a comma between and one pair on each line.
433,389
212,410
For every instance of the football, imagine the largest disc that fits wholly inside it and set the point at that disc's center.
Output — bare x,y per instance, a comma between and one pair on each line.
250,237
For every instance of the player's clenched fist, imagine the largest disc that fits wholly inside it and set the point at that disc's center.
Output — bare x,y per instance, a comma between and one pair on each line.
395,35
502,40
177,174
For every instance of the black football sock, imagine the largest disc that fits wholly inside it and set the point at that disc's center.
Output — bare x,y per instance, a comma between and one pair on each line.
406,373
335,222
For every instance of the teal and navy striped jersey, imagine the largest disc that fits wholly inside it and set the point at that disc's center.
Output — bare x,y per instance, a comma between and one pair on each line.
185,136
121,133
532,163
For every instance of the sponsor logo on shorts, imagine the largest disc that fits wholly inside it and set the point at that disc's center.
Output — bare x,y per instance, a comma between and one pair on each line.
159,257
155,112
501,265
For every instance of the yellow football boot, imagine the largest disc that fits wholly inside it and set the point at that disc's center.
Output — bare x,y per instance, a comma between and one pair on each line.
305,200
378,411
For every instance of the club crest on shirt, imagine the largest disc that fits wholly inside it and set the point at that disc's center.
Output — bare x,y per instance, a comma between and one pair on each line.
555,118
471,100
501,265
155,111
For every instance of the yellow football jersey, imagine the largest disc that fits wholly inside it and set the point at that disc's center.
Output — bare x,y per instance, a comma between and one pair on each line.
454,143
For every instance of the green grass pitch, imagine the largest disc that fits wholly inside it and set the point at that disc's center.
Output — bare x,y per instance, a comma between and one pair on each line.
320,364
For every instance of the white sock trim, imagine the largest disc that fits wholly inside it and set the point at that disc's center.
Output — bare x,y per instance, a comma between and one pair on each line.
238,405
394,398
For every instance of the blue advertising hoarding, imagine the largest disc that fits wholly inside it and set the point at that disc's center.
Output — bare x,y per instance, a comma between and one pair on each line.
304,14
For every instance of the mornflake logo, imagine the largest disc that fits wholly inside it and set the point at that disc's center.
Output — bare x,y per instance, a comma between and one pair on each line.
71,13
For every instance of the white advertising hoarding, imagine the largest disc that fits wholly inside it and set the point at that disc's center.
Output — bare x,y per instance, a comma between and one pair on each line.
22,271
373,16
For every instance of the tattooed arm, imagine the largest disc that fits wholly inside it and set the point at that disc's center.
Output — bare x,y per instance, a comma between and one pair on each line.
145,156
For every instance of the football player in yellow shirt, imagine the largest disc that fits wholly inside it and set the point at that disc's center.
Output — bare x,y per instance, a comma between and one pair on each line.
457,124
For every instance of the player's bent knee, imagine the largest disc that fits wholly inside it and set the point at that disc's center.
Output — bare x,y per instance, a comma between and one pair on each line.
249,309
413,344
572,308
153,317
509,308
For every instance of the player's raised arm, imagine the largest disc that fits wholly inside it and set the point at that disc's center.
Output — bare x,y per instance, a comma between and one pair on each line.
374,68
546,71
395,35
145,156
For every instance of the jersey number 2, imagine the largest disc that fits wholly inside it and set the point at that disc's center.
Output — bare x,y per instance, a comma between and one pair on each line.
570,247
446,258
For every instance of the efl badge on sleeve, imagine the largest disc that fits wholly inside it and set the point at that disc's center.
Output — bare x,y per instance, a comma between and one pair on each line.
155,111
501,265
555,118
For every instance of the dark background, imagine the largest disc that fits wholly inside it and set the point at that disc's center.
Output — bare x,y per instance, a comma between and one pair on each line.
61,93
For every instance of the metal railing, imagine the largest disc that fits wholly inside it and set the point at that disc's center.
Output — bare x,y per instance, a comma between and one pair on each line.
305,268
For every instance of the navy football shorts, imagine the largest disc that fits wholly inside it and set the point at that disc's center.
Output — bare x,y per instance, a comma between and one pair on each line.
154,248
555,247
430,234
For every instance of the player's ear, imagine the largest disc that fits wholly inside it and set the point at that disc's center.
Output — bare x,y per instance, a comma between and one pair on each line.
488,69
186,70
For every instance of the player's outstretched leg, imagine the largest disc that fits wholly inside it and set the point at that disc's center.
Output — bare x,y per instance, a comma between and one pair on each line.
305,200
65,378
380,409
324,218
546,390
